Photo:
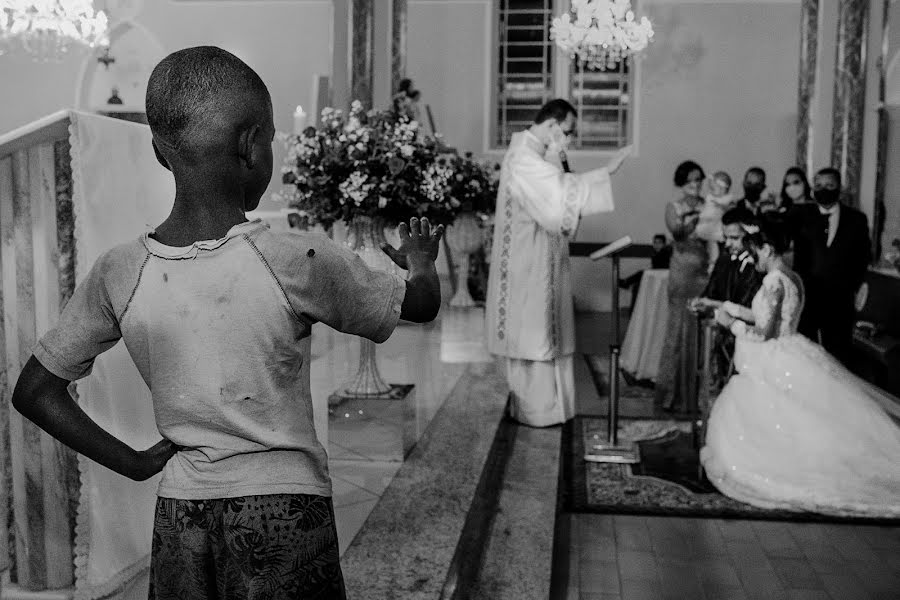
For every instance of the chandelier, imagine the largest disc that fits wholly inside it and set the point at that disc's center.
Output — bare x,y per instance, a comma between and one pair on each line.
46,29
600,33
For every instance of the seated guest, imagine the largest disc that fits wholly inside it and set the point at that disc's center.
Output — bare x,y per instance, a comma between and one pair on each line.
662,253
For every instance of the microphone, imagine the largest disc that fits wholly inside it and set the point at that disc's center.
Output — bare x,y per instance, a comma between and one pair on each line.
565,161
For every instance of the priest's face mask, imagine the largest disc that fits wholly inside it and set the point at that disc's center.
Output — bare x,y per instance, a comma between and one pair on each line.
562,134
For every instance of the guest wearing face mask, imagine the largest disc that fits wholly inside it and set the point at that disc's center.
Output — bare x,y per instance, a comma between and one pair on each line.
754,191
795,189
831,254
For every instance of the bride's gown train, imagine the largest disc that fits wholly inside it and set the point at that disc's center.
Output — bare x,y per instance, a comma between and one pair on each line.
794,428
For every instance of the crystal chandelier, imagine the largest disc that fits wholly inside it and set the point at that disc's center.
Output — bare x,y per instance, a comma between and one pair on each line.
46,29
600,33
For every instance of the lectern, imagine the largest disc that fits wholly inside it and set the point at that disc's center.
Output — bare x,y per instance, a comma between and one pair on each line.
613,451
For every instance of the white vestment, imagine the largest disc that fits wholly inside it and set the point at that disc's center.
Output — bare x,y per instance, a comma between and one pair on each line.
530,316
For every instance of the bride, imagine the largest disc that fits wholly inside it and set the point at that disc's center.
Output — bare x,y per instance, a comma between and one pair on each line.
794,429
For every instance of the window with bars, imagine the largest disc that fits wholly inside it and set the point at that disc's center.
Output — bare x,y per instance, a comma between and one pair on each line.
531,71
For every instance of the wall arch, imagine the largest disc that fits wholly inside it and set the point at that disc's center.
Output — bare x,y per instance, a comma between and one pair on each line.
136,50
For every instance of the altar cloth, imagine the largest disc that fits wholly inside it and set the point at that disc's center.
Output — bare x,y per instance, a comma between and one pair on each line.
647,326
119,192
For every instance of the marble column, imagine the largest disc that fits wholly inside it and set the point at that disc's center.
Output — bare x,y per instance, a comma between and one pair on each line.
850,93
398,42
809,47
879,210
362,51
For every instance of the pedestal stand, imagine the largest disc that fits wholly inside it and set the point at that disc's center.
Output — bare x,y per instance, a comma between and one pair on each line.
613,451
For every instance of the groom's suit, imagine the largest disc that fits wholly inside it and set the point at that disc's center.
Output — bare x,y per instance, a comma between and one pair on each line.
832,253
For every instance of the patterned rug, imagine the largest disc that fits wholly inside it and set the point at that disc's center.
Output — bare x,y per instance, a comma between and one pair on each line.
667,481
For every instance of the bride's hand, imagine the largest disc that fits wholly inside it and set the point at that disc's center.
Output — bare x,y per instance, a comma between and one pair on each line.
723,318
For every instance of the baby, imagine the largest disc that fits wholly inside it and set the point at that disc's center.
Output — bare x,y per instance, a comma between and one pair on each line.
709,226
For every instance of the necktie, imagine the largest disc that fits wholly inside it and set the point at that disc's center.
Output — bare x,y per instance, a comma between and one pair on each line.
826,227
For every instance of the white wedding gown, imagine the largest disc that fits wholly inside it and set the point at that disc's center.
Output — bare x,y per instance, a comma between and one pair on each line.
794,429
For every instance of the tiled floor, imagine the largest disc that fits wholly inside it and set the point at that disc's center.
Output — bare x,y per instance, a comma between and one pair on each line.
631,558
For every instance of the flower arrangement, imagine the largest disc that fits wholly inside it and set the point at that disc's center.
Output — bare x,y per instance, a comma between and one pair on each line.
373,164
472,189
600,33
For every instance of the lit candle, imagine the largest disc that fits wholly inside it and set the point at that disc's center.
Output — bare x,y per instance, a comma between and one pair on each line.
299,120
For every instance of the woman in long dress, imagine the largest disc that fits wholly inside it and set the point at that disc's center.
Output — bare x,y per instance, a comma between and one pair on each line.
794,429
687,279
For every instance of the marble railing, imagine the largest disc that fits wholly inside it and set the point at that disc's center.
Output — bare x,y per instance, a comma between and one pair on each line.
39,476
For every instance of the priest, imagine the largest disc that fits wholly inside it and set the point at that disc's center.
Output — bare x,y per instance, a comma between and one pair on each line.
530,315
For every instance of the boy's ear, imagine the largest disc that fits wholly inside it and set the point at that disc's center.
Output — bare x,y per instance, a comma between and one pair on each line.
247,145
159,157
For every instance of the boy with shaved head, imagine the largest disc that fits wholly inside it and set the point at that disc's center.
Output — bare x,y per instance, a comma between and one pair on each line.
216,312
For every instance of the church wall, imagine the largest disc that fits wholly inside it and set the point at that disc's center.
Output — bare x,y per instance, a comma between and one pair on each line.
718,85
286,42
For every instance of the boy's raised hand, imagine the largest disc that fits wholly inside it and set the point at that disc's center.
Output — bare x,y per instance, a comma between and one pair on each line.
418,242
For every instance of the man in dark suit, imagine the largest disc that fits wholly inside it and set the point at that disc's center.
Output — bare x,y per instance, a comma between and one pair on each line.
831,254
734,279
754,189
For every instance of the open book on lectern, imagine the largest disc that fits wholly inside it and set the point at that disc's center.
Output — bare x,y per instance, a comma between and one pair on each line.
612,248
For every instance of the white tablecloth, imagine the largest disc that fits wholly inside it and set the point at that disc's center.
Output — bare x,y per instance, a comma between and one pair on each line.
647,328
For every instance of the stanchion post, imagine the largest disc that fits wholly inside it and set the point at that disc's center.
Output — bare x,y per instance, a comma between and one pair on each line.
615,299
613,418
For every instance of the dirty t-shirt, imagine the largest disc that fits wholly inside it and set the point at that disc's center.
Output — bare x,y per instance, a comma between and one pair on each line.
219,331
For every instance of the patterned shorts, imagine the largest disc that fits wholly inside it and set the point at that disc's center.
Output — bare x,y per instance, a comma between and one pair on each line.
256,548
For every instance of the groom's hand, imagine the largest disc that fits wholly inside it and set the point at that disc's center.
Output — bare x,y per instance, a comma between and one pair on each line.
618,158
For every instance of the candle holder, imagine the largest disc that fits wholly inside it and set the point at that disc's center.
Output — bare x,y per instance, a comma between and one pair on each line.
464,238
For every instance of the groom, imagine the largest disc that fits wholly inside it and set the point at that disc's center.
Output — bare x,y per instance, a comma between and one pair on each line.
831,254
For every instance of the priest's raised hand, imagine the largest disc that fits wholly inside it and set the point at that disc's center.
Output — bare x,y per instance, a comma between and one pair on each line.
618,158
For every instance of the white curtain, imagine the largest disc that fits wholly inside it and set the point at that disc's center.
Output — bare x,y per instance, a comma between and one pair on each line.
120,191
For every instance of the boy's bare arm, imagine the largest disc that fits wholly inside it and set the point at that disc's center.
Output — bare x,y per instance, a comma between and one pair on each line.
417,252
44,399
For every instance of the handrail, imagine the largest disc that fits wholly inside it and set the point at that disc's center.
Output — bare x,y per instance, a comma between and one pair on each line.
48,129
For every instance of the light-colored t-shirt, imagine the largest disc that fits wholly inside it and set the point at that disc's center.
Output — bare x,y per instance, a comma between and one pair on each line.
220,332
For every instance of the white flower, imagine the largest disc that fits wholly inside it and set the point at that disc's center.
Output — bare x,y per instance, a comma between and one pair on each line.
382,201
406,150
353,123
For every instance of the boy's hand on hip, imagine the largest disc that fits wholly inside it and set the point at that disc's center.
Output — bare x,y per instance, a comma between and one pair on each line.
151,461
418,242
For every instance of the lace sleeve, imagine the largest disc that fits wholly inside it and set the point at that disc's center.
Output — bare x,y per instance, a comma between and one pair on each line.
766,313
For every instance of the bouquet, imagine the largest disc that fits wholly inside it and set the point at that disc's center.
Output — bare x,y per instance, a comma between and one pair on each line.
373,164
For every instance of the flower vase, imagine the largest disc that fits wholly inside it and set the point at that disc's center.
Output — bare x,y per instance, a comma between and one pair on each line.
365,236
464,237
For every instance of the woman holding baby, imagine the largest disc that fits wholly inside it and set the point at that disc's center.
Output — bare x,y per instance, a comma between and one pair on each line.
687,279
